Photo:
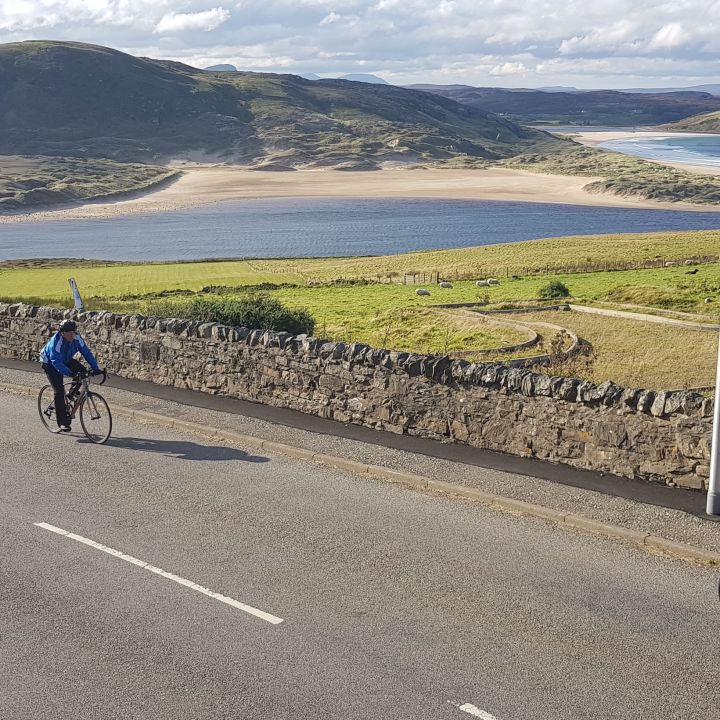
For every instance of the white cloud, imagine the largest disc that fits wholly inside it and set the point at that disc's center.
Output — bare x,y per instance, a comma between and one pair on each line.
523,42
446,7
508,68
205,20
330,18
669,36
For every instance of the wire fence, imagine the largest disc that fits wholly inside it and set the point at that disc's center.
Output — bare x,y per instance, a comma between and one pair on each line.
414,277
477,272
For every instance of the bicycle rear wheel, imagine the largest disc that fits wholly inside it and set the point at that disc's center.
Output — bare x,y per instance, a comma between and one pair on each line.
95,418
46,408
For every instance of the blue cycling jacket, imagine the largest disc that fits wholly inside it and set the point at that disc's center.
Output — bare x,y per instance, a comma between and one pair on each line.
58,351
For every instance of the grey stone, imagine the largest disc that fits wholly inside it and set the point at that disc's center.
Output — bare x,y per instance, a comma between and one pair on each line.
413,366
493,375
629,397
645,401
205,330
515,378
326,349
588,392
253,337
567,389
543,385
658,406
356,350
338,350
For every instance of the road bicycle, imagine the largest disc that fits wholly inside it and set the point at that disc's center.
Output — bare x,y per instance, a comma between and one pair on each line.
93,410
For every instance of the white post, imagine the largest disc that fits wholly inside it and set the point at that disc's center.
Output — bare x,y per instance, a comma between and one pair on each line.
79,304
713,498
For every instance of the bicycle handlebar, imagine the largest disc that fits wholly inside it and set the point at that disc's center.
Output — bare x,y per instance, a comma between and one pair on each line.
85,374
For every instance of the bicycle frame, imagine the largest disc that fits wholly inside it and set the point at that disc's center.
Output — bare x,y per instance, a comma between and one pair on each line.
84,403
75,405
83,392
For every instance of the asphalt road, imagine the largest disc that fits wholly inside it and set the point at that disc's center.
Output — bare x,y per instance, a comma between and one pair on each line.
394,604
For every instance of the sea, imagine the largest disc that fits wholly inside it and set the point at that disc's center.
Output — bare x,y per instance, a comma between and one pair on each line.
326,227
698,150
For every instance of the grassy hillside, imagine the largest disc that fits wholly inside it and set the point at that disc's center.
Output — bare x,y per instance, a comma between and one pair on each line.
30,182
597,107
73,99
705,123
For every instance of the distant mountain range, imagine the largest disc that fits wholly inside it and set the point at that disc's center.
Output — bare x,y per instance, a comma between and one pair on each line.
713,89
594,107
354,77
73,99
221,68
364,77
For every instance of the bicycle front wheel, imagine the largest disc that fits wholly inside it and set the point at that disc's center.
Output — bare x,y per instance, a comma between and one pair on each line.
46,408
95,418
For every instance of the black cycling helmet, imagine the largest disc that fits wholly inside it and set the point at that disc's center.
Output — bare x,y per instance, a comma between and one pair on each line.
68,326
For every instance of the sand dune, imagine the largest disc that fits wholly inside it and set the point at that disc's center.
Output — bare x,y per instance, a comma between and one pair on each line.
201,185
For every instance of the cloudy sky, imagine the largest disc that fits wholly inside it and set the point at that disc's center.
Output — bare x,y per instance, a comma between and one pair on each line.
510,43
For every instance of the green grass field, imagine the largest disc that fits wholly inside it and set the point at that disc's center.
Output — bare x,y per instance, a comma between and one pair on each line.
119,280
124,287
392,315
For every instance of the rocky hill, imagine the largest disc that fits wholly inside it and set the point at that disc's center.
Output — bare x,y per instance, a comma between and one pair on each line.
705,123
73,99
597,107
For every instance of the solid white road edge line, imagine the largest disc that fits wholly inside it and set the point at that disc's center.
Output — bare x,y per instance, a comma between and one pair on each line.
472,710
158,571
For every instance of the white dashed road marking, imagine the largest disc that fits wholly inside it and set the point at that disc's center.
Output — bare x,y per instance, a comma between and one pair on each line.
158,571
475,712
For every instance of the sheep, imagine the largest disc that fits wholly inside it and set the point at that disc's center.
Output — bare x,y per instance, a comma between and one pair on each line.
670,264
422,291
482,283
446,285
493,281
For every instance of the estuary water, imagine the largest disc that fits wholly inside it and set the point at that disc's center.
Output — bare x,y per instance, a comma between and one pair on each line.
322,227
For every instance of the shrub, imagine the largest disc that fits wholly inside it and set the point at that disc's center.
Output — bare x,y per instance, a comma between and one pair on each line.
256,311
554,289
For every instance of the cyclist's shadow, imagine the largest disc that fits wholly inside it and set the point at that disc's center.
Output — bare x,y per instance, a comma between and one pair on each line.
184,449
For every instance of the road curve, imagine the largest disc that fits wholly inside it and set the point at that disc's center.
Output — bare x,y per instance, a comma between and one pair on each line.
393,604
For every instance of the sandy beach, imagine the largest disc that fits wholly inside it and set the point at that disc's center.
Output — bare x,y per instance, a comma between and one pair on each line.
200,185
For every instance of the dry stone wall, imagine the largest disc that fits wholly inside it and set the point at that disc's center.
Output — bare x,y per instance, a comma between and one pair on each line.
658,436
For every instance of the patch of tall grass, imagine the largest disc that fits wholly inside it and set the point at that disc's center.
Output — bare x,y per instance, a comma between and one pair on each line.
253,310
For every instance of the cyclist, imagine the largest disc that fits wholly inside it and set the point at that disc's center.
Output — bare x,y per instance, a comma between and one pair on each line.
58,359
